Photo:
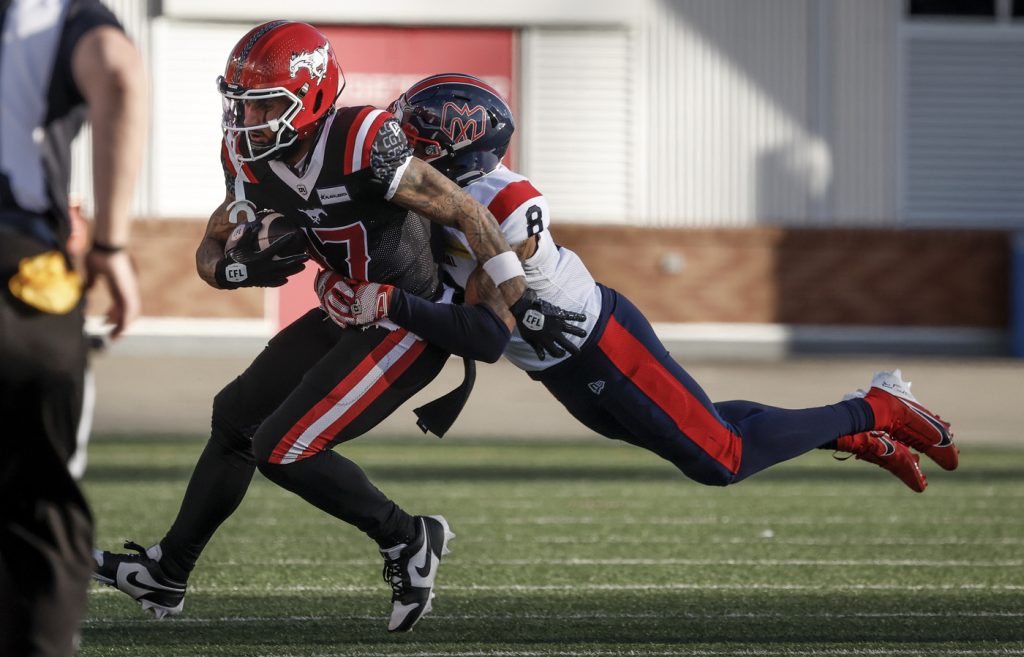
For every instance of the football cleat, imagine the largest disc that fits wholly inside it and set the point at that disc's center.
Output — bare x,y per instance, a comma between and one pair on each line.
410,569
879,448
141,577
899,413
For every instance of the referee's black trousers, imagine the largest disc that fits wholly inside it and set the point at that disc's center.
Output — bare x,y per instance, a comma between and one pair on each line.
45,524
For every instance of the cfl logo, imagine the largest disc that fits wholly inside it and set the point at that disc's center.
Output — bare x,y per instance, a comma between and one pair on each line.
533,320
236,272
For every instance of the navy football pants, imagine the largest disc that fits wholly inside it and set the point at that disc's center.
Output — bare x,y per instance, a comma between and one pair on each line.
625,385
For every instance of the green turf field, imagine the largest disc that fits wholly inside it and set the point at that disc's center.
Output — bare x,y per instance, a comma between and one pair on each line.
586,548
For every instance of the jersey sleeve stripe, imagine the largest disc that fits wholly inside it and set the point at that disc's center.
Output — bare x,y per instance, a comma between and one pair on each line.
352,138
396,180
365,136
371,135
511,197
228,161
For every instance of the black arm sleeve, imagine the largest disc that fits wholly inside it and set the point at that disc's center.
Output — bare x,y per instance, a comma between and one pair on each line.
471,331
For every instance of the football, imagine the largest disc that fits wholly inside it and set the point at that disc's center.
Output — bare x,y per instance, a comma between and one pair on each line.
250,239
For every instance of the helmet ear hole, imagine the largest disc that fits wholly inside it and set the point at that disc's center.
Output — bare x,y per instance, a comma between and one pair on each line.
318,100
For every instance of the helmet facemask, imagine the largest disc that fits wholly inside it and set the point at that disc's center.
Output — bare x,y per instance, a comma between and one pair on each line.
422,147
233,120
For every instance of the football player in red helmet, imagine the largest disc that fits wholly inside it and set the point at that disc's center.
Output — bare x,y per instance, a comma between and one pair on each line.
348,178
620,381
281,80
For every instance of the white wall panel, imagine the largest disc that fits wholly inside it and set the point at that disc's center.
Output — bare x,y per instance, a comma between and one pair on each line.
577,120
134,16
865,117
964,126
187,175
728,141
412,12
671,113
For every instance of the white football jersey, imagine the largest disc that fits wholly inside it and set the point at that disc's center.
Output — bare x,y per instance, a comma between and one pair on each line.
555,273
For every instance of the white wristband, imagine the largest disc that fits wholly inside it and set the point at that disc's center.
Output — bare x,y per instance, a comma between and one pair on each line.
503,267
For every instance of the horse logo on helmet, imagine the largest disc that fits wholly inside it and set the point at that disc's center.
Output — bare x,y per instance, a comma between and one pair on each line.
313,61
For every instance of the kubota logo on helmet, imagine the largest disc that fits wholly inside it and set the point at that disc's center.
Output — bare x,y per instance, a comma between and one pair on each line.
461,123
315,62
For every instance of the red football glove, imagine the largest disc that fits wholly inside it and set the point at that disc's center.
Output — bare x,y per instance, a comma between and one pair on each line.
350,302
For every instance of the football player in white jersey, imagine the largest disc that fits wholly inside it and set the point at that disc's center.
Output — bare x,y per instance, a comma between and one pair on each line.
622,383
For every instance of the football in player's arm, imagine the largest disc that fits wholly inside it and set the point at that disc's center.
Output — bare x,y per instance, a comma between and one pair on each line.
426,192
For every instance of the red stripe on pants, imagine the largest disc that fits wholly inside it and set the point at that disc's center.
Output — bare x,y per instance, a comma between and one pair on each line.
350,381
390,376
633,359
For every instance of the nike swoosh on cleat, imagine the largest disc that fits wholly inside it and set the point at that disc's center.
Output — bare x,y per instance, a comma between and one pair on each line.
890,449
424,571
944,438
136,581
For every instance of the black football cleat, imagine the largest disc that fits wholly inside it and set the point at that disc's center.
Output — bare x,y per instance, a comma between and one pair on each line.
141,577
410,569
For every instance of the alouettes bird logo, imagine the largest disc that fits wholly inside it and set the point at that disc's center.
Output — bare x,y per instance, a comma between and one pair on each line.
313,61
463,124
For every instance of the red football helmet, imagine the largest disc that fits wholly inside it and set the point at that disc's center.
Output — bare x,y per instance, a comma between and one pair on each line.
280,59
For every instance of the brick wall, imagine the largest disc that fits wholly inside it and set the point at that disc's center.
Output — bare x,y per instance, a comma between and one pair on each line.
804,276
793,276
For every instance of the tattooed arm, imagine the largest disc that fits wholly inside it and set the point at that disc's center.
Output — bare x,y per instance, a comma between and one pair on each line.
271,267
429,194
211,249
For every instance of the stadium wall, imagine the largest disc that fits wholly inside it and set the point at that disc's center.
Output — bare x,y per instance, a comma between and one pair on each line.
719,161
803,276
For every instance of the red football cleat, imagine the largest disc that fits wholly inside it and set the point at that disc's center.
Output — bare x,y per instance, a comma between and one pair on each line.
879,448
904,418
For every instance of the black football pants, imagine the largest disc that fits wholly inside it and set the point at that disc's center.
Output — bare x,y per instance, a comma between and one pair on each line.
314,386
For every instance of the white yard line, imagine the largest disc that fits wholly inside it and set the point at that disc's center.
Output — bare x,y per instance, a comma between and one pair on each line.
680,652
557,616
470,563
834,541
571,588
760,521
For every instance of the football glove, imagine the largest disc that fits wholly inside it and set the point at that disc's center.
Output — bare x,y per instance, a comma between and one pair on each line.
264,269
353,303
543,325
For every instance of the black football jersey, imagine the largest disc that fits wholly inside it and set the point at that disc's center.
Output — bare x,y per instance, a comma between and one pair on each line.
341,200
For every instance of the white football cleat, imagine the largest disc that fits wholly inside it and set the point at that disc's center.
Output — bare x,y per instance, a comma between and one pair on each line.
411,568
